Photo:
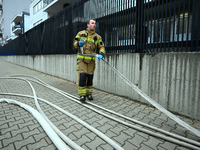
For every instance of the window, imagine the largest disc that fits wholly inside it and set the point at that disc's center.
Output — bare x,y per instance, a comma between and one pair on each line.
37,7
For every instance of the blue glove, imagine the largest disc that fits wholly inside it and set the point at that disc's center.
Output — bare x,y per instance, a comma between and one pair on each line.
100,56
80,43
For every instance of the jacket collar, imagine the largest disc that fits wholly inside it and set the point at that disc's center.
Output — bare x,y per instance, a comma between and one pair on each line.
90,31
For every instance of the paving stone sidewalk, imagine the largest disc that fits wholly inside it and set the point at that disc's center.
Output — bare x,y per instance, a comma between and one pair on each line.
20,130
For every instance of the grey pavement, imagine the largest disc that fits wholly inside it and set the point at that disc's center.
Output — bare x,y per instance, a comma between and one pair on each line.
20,130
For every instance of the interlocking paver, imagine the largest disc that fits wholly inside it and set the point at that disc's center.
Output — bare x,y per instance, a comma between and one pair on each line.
121,138
111,134
83,140
73,130
103,147
80,133
12,115
7,141
6,135
38,135
95,143
9,121
22,143
19,131
91,135
9,147
145,147
31,127
38,145
130,131
49,147
137,140
158,122
22,125
16,122
129,145
167,145
146,120
10,129
27,133
153,142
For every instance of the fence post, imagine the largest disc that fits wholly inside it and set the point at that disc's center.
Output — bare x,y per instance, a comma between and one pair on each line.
140,29
195,34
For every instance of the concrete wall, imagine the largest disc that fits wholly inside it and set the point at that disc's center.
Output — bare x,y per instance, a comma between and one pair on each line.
171,79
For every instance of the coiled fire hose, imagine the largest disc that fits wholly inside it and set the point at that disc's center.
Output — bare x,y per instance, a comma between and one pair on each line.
45,125
130,119
174,140
66,139
148,98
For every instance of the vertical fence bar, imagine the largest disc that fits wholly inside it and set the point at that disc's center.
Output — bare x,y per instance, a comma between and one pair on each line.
123,27
118,31
174,19
151,35
195,35
141,11
165,27
120,24
114,24
170,17
148,44
132,29
129,18
154,35
144,26
178,26
183,26
162,29
136,25
108,22
137,28
129,25
188,25
158,25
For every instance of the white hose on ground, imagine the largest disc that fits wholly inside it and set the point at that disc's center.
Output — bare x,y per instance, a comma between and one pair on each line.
115,119
65,138
111,142
103,136
130,119
155,104
47,128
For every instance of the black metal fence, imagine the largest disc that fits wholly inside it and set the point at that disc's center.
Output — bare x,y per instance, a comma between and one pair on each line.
126,26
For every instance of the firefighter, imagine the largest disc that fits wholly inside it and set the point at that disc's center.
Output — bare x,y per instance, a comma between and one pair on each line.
87,40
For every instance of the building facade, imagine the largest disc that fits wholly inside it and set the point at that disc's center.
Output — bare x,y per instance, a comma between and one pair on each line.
10,9
17,17
40,10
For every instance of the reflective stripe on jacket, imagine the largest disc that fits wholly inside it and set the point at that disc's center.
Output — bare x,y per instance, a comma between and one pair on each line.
92,42
86,57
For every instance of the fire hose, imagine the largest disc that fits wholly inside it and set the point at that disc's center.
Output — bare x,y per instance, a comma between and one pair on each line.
66,139
146,97
150,100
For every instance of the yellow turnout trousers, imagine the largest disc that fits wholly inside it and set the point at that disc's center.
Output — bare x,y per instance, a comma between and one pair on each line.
85,68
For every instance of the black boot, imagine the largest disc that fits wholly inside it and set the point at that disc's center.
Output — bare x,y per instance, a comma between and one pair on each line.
82,98
89,97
